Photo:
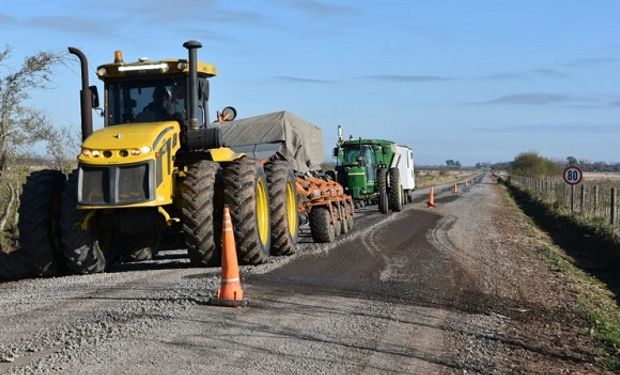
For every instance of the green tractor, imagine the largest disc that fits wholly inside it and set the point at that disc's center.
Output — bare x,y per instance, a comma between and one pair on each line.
375,171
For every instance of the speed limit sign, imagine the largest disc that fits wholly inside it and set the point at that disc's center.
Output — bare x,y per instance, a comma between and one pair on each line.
573,175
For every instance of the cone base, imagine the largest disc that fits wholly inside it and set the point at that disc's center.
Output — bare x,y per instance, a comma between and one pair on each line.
227,302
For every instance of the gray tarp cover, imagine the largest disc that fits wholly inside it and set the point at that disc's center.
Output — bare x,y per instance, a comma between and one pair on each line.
297,141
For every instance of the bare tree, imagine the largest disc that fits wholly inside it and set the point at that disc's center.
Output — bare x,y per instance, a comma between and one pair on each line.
62,145
19,124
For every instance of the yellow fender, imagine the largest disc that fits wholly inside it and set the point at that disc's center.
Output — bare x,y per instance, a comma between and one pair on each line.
224,154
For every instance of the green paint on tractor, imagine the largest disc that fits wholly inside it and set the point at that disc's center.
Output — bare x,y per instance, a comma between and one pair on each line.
357,164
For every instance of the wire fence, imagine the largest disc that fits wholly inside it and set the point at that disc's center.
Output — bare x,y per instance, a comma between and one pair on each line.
591,199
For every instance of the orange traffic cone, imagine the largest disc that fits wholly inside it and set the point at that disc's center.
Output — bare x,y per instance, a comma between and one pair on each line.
456,188
230,293
431,198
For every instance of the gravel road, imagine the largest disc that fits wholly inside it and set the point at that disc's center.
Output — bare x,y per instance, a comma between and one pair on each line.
456,289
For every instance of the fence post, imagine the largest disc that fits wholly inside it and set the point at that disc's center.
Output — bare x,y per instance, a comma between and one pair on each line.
582,198
572,199
614,207
595,200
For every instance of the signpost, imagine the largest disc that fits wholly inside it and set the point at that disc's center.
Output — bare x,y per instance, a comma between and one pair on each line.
572,176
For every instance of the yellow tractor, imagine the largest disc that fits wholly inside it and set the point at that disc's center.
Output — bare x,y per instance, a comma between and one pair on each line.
159,168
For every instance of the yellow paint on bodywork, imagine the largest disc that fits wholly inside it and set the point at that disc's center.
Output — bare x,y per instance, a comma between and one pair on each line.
172,67
163,139
127,137
224,154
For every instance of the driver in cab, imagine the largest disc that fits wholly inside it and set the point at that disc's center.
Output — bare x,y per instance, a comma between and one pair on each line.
160,109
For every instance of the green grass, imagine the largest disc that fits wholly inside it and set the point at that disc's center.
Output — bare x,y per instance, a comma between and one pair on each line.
596,300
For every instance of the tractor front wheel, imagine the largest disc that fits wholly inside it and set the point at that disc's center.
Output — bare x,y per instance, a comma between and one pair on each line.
199,213
39,238
83,249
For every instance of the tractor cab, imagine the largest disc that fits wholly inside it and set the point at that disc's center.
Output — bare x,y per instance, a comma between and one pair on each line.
153,91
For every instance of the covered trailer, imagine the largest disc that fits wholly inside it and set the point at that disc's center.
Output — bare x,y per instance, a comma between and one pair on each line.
282,137
403,160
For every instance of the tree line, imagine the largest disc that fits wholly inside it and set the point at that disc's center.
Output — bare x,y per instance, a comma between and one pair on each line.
534,165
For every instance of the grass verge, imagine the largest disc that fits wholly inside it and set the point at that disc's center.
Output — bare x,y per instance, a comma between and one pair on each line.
587,254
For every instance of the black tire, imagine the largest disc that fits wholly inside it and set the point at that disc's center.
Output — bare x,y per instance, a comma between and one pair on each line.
395,194
243,179
344,221
351,211
201,224
321,226
338,226
14,266
383,194
82,248
39,236
282,195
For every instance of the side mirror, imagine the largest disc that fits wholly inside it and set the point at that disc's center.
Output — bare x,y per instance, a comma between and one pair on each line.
228,114
335,152
94,94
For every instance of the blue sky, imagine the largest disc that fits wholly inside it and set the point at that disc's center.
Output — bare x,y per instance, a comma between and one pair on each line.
466,80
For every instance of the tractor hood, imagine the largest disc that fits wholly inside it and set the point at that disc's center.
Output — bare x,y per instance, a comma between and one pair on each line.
127,143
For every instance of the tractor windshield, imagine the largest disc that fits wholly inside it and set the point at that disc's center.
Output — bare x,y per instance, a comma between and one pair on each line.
146,101
352,153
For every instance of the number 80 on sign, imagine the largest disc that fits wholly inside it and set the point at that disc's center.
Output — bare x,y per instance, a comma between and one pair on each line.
573,175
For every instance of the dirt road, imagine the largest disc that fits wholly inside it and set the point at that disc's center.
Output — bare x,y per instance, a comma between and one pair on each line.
460,288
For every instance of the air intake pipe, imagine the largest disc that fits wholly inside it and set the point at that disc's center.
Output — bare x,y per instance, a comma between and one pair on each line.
197,138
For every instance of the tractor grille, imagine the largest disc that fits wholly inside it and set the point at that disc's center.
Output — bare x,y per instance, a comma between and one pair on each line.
114,185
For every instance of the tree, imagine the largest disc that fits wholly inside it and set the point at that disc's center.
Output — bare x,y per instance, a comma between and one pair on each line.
571,160
533,165
21,125
62,145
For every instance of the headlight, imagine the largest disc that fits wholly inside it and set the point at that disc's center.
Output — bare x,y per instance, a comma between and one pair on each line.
95,153
140,151
86,152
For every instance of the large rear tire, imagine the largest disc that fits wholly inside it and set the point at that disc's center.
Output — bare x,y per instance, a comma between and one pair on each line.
321,226
396,193
383,194
282,207
83,251
39,236
201,224
246,194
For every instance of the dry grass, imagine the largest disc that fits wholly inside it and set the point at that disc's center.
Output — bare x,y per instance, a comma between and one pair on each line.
431,177
595,177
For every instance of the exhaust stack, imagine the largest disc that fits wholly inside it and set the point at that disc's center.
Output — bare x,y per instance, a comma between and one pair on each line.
86,96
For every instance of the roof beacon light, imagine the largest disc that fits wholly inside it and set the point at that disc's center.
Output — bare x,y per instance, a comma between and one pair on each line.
118,57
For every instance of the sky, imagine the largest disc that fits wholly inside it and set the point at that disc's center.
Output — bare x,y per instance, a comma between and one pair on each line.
473,81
